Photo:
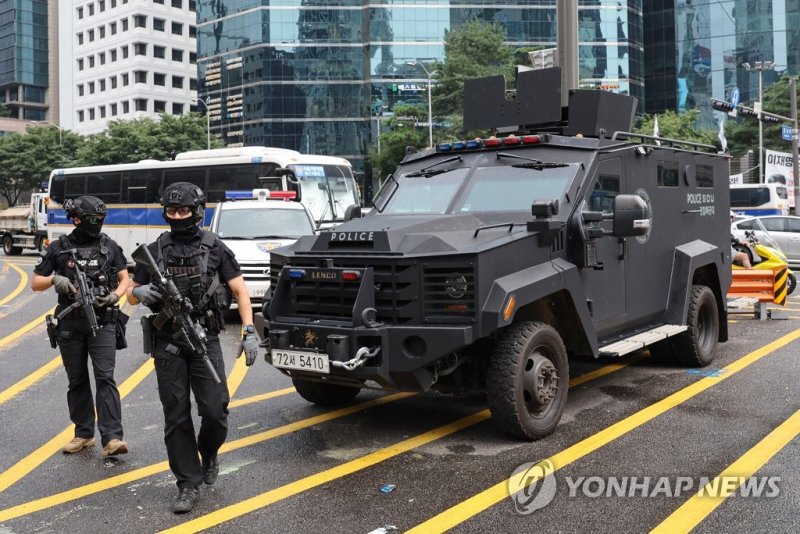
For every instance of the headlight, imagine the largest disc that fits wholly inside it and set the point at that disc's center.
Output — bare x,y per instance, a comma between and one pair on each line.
455,286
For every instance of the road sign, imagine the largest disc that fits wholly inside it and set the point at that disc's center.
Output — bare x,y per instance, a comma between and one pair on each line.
735,97
786,132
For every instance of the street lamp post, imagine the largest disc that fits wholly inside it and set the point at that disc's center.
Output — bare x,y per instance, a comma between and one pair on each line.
60,130
760,67
208,123
430,102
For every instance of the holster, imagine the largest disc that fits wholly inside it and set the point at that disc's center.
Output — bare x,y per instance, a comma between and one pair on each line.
120,324
148,334
52,330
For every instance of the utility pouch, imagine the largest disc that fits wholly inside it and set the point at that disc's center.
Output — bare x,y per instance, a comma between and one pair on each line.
52,330
148,334
121,327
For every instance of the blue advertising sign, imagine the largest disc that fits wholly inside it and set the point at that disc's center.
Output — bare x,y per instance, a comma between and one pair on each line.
735,97
786,132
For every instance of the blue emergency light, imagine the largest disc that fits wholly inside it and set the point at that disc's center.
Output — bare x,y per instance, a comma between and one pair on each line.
238,195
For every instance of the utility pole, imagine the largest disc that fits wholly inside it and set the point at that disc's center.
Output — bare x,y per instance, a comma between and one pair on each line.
760,67
795,133
567,19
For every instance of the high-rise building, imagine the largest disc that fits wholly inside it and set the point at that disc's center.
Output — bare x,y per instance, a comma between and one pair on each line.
311,75
27,37
124,59
697,49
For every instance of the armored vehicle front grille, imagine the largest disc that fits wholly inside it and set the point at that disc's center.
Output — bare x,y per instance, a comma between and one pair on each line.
449,293
394,286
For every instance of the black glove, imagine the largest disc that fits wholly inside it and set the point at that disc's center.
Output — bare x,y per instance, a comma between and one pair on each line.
106,300
63,285
249,345
146,294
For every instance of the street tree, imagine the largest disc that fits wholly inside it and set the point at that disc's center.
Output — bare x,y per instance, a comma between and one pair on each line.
680,126
742,133
402,136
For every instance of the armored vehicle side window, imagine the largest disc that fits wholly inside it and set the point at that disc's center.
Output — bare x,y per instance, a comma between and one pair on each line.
704,175
514,189
667,173
605,189
426,195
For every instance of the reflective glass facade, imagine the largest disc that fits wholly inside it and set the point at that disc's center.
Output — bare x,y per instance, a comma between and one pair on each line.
711,39
307,74
23,57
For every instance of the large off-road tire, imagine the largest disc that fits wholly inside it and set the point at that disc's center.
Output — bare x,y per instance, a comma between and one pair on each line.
527,380
324,394
696,346
8,247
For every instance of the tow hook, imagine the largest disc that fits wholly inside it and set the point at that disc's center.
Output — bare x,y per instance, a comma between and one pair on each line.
362,355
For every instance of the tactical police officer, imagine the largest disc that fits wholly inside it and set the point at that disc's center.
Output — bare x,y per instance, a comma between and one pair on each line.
104,266
198,263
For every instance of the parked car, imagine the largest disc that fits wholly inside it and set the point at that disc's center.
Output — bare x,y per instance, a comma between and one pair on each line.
756,224
785,229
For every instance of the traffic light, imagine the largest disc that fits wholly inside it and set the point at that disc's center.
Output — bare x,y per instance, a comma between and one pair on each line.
721,105
771,119
746,112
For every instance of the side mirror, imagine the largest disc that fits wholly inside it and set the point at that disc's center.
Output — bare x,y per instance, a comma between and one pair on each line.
353,211
631,217
292,183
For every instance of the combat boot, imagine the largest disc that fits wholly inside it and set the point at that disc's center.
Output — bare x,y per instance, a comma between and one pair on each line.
185,501
77,444
114,447
210,469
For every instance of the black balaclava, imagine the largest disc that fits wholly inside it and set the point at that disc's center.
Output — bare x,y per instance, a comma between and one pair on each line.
184,194
86,207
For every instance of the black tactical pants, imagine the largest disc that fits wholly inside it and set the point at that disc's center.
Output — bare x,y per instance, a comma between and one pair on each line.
78,345
176,374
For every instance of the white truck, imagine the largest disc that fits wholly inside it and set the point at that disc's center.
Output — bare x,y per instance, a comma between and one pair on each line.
24,227
252,223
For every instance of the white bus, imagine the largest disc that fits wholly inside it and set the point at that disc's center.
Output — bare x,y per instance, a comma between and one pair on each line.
325,184
759,199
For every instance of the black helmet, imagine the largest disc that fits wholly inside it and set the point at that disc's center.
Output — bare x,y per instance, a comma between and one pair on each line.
83,206
184,194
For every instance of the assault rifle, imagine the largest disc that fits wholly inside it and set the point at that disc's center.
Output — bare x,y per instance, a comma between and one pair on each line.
177,310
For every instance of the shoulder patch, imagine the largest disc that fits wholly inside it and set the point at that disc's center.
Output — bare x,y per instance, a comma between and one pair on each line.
39,260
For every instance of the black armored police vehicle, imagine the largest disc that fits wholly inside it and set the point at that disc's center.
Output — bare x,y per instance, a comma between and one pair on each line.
486,263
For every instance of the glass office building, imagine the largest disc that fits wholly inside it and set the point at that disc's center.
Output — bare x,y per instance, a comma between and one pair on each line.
24,61
311,74
695,49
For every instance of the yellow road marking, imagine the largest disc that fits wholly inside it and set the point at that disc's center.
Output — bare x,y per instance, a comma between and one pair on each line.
38,457
493,495
258,398
693,511
31,379
235,510
25,329
143,472
23,281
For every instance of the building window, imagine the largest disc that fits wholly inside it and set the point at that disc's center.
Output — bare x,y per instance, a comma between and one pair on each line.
177,54
91,35
91,88
125,24
113,54
113,28
113,4
124,52
113,110
193,58
177,109
80,16
158,2
159,51
193,84
91,9
140,49
159,106
102,112
80,89
159,24
80,116
177,28
91,62
140,104
102,57
139,21
80,38
125,79
126,107
80,64
113,82
177,82
159,79
192,30
140,76
102,30
102,5
177,3
102,85
192,5
91,114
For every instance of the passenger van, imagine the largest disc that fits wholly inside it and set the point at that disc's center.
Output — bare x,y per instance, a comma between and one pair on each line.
759,199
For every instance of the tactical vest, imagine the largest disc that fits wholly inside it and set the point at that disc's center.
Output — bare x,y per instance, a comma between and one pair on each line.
190,271
93,260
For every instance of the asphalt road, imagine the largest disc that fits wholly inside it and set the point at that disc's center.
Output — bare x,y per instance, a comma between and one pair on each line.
637,441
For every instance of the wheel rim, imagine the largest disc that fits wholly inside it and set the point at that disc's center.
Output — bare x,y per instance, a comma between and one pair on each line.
539,382
705,327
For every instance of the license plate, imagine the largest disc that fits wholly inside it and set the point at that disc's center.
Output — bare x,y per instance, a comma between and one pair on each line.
301,361
260,292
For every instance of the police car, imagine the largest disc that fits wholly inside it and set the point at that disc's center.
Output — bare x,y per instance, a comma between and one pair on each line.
252,223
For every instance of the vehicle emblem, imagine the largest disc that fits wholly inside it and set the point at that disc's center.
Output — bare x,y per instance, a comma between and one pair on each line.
311,338
265,272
